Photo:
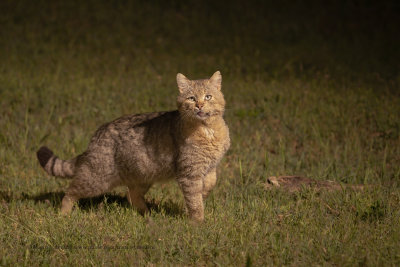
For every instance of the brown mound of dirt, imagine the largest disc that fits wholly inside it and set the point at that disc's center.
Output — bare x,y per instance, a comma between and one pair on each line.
296,183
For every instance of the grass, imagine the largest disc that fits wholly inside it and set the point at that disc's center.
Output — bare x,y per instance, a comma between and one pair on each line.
311,90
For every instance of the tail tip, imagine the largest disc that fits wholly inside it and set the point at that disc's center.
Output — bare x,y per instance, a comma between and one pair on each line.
44,154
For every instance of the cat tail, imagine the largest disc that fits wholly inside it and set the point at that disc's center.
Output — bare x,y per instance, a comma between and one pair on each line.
53,165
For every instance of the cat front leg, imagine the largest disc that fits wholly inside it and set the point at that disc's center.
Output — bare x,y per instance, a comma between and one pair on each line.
192,189
209,182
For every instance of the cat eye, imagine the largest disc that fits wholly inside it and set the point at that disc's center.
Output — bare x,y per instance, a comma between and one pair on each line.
191,98
208,97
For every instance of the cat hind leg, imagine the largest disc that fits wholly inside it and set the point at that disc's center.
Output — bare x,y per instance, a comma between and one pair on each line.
86,184
136,198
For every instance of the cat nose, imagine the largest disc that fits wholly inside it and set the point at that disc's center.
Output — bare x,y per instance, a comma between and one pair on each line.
199,105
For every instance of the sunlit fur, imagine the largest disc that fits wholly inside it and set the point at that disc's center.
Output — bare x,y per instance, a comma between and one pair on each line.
141,149
199,89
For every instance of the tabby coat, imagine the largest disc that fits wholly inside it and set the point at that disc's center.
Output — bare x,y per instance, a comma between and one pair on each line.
138,150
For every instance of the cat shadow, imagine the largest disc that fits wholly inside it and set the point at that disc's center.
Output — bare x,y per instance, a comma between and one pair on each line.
94,203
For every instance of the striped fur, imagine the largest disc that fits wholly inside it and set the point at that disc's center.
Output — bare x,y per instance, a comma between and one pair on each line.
139,150
53,165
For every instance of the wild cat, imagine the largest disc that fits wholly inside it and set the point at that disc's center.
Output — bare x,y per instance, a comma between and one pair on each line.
138,150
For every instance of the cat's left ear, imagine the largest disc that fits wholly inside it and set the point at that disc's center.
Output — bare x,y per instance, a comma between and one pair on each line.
216,80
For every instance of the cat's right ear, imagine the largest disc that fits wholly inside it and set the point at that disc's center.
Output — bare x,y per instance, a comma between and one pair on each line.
183,82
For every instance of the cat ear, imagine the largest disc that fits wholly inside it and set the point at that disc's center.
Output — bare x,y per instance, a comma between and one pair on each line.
216,80
183,82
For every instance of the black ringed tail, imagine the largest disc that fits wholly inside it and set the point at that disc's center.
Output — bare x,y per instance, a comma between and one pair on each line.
53,165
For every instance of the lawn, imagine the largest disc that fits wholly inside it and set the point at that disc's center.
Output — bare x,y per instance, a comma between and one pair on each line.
312,89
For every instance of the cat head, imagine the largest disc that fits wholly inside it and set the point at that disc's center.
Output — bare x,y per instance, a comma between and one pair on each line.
200,100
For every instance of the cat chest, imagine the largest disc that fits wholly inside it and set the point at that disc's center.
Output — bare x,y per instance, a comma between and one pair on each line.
209,145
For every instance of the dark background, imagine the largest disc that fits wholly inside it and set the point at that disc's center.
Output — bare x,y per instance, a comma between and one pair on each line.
345,40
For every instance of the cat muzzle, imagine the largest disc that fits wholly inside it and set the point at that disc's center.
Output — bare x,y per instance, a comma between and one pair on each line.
202,114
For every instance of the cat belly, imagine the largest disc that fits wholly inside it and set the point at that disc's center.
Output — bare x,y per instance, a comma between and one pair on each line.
142,168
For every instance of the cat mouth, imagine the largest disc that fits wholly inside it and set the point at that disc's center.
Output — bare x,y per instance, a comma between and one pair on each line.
202,114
